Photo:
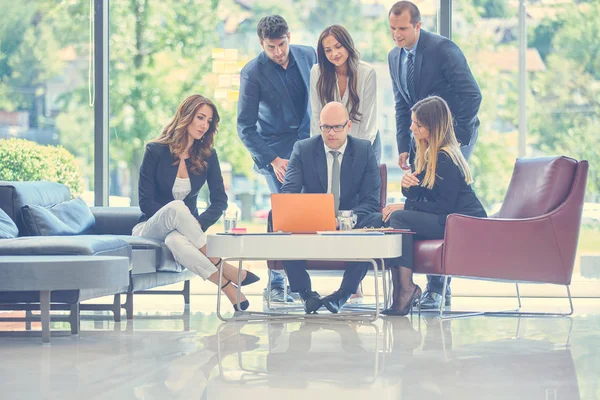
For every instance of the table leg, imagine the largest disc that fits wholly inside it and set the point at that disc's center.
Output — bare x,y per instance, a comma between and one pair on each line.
219,283
45,311
239,291
376,270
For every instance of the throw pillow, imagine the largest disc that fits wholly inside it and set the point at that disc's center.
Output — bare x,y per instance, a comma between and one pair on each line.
71,217
8,229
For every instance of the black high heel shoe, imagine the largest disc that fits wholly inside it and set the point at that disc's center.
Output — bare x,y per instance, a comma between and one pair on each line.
248,280
243,304
408,308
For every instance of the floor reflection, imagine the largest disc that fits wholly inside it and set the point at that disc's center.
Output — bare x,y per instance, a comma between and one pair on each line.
403,359
394,358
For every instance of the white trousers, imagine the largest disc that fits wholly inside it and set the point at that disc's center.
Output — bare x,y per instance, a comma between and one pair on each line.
176,226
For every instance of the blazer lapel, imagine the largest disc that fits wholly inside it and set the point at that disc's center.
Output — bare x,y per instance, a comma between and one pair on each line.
346,171
397,61
419,59
304,69
272,75
321,164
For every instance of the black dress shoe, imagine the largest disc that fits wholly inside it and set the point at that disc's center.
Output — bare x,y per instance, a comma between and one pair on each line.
336,300
312,301
432,300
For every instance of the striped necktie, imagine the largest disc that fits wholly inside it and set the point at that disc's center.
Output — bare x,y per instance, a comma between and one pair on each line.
410,77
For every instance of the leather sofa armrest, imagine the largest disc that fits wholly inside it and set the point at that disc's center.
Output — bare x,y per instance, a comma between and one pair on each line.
115,220
504,249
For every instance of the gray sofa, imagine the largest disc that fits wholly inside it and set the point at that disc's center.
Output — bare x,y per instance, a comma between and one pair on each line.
152,264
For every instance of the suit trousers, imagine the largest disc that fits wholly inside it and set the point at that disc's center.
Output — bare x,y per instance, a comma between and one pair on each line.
353,274
178,228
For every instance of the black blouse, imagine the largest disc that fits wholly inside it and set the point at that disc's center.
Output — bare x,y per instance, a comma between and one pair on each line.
157,176
450,193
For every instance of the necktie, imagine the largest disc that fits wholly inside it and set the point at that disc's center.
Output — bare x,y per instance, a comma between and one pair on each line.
335,180
410,76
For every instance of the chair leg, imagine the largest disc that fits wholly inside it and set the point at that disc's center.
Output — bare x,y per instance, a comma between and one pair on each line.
129,305
28,316
442,303
186,292
117,307
74,319
45,314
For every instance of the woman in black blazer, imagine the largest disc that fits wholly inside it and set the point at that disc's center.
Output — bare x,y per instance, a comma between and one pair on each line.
438,185
168,192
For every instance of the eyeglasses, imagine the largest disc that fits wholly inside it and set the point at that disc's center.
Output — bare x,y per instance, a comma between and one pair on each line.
336,128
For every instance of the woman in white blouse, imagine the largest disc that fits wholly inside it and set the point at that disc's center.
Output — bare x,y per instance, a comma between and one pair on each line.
341,76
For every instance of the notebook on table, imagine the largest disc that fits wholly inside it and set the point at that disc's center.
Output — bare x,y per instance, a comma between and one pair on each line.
303,212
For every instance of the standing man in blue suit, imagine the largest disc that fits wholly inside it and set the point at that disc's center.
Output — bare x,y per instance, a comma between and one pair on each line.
273,107
424,64
334,162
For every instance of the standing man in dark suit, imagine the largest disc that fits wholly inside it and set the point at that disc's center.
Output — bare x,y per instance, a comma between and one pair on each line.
334,162
273,107
424,64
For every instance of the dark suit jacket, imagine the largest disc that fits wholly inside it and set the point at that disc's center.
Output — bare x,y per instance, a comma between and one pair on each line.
450,193
267,122
440,69
157,176
360,182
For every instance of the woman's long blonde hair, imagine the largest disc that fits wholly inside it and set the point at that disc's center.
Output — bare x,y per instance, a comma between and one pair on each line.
175,134
433,112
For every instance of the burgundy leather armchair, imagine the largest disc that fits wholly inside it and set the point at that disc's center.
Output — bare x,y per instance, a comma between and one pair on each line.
533,238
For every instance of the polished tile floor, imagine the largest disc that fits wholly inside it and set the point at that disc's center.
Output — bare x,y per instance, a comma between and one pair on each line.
164,355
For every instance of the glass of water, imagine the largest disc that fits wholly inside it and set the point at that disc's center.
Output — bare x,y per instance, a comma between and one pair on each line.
230,219
346,220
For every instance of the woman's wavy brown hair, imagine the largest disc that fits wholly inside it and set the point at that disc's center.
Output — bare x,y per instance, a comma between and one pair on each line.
175,134
327,81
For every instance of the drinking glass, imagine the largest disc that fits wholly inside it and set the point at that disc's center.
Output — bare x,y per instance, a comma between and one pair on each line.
346,220
230,219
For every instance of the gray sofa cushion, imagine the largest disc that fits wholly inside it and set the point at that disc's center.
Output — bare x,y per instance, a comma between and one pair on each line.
8,229
68,218
60,245
14,195
150,255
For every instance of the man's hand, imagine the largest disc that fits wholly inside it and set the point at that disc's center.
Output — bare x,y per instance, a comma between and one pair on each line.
389,209
409,179
403,161
280,167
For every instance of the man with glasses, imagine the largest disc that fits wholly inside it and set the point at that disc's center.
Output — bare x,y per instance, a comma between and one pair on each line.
273,108
334,162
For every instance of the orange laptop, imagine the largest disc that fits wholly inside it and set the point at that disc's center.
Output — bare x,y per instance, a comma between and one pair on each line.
303,212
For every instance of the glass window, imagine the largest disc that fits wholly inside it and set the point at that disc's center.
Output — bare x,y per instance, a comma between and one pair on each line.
562,108
46,107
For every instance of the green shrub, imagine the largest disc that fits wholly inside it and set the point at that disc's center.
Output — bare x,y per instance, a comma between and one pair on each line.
23,160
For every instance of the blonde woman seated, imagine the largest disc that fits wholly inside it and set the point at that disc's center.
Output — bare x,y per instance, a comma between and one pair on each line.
439,185
175,167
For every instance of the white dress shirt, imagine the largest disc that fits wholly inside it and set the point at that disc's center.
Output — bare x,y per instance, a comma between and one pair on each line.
329,158
366,86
